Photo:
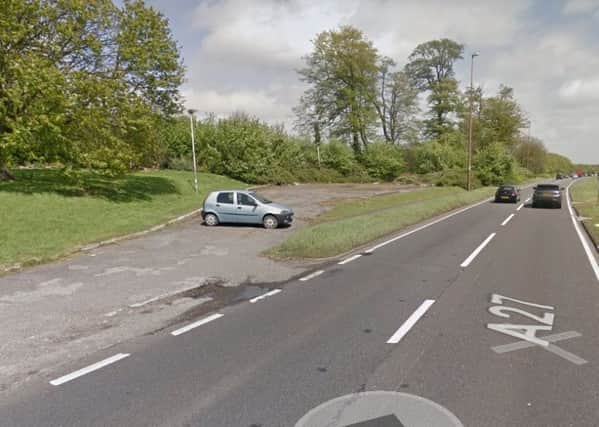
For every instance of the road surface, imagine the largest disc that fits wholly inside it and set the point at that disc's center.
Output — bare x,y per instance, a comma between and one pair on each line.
431,315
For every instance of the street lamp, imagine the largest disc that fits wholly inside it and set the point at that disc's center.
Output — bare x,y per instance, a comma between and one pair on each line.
469,183
193,149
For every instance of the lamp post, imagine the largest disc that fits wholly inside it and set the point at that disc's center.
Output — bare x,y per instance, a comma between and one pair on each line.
193,149
469,180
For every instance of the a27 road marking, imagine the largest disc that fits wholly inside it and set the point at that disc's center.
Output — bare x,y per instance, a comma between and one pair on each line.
507,220
478,250
410,322
89,369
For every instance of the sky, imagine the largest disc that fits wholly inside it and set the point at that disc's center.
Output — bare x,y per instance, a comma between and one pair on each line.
242,55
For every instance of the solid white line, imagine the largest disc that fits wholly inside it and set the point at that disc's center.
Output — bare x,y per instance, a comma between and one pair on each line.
350,259
88,369
422,227
520,207
267,294
408,324
311,276
473,255
196,324
585,245
507,219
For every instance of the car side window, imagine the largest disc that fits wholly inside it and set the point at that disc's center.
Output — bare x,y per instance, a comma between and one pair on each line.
245,200
226,198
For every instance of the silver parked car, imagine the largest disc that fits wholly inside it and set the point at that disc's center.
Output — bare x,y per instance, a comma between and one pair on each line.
244,207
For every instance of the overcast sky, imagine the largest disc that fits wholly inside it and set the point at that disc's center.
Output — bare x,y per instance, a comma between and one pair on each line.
241,55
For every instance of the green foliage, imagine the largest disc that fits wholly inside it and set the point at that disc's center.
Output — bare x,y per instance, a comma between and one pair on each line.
494,165
531,153
88,86
435,157
555,163
383,161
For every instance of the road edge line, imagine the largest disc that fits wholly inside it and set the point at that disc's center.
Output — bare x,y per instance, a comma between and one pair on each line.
583,241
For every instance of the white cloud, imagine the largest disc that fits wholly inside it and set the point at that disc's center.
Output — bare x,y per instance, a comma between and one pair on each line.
580,6
580,90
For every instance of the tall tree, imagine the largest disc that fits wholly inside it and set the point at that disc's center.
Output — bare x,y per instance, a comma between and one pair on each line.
82,82
341,72
397,102
430,67
501,119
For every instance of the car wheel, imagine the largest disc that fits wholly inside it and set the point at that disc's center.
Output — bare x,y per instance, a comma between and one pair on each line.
211,220
270,222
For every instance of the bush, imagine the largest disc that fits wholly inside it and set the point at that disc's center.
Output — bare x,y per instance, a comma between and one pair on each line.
494,165
383,161
435,157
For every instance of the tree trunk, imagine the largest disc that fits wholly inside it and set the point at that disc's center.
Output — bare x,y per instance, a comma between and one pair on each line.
5,174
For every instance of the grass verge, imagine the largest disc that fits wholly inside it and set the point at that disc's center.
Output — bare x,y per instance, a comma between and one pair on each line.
351,223
585,194
45,215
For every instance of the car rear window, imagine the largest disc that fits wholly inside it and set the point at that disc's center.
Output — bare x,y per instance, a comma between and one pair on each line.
506,187
225,198
547,187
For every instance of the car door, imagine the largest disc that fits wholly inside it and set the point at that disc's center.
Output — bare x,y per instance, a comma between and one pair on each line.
247,208
225,206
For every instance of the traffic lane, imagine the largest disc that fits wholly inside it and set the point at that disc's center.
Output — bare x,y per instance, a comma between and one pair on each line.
537,258
193,370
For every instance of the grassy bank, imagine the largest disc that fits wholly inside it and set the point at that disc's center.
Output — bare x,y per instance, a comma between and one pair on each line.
353,223
586,198
44,215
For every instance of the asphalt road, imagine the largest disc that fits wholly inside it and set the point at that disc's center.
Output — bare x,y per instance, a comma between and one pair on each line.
269,362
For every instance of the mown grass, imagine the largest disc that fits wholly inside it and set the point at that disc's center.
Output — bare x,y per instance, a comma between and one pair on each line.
585,194
44,214
351,223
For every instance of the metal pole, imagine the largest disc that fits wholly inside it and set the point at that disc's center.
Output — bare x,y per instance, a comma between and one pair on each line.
469,179
193,151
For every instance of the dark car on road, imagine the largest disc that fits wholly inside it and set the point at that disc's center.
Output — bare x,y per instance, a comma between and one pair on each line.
547,195
507,193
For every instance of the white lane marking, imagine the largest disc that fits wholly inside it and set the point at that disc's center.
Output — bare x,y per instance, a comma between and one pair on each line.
507,219
265,295
408,324
520,207
350,259
196,324
585,245
88,369
422,227
478,250
311,276
527,200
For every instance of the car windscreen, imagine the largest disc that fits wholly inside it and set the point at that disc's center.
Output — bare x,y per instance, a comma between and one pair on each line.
261,198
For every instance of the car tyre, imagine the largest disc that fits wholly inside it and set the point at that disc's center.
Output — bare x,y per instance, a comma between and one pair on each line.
270,222
211,220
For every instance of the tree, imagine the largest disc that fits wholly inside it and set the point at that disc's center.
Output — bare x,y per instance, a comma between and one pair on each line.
501,119
342,73
430,67
86,82
556,163
531,153
397,102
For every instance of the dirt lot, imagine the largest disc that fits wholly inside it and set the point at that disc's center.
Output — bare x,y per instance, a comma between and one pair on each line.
65,310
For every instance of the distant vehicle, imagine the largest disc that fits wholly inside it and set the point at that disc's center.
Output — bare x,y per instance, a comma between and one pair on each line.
560,176
547,195
244,207
507,193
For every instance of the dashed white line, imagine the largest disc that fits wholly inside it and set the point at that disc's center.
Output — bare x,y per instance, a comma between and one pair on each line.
196,324
478,250
422,227
527,200
350,259
507,220
520,207
585,245
265,295
408,324
89,369
311,276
